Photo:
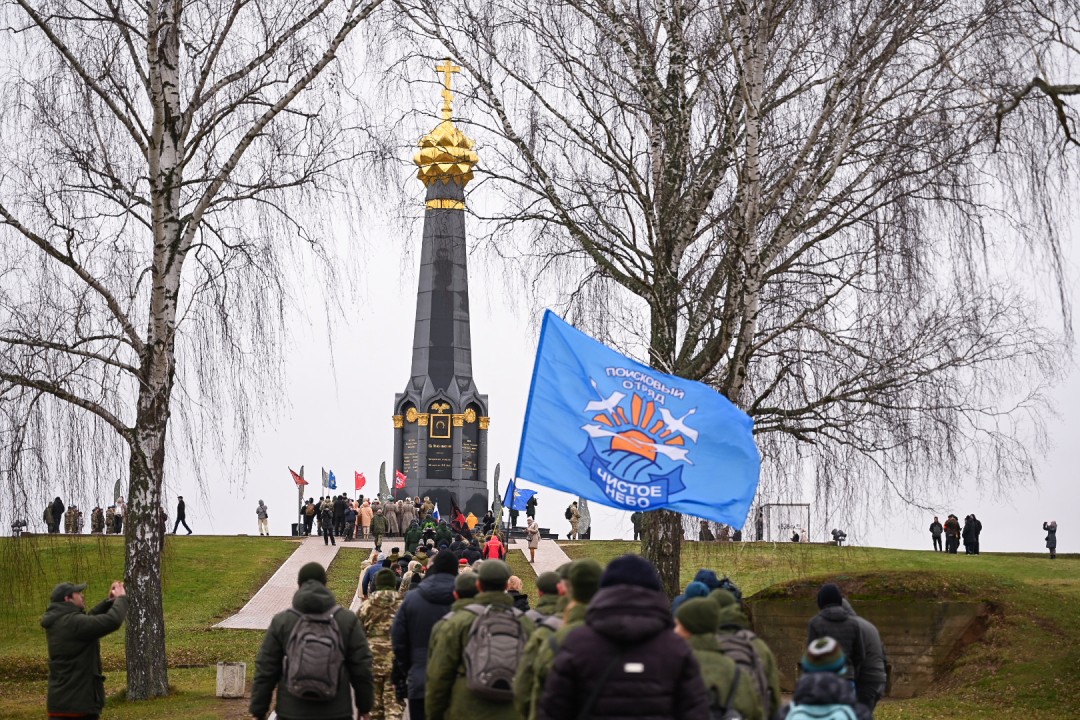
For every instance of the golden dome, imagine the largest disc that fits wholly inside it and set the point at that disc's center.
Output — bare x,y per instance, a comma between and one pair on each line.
446,153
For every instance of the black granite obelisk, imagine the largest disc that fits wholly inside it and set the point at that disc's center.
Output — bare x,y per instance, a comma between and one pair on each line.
441,420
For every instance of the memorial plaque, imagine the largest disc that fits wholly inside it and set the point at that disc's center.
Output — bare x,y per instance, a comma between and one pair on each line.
470,451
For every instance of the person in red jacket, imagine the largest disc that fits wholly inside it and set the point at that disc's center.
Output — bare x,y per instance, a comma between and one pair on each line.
494,548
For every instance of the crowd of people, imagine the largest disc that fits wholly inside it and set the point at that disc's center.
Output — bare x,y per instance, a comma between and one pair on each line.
107,521
453,637
953,533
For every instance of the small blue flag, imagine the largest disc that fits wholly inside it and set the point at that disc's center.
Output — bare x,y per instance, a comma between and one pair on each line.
435,514
617,432
333,481
516,498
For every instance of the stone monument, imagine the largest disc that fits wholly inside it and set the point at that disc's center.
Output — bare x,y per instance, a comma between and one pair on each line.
441,420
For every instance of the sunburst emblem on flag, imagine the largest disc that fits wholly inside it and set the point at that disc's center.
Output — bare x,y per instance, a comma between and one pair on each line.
641,437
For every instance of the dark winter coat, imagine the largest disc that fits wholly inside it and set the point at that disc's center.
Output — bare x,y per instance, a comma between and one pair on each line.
1051,536
181,510
76,685
823,690
313,597
411,630
833,621
656,676
521,601
874,669
936,529
412,538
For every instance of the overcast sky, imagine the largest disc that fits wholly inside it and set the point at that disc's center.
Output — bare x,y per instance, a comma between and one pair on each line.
340,401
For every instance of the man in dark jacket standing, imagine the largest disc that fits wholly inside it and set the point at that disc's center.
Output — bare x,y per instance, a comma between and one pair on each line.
935,533
313,597
181,515
626,657
835,622
76,685
411,630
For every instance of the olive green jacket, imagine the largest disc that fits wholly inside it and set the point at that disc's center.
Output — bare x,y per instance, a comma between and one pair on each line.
540,653
718,672
732,619
76,685
379,525
446,696
412,539
546,605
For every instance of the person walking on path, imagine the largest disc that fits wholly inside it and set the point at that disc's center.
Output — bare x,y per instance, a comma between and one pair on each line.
326,518
354,682
1051,537
447,694
411,629
835,622
378,527
376,615
76,685
264,523
181,515
532,532
935,533
625,660
574,516
494,548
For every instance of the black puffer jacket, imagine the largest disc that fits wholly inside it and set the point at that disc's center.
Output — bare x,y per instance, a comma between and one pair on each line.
833,621
411,630
656,677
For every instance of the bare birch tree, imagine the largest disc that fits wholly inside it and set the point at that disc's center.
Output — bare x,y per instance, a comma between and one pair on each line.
785,199
159,161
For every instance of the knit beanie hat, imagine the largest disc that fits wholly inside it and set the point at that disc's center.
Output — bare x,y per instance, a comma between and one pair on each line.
722,597
584,577
829,594
708,577
386,579
494,572
444,563
631,570
699,616
696,589
823,655
548,582
311,571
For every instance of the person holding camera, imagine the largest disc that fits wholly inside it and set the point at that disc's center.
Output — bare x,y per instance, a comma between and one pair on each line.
76,685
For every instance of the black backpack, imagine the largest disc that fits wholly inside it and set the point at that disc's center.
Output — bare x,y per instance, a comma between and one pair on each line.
568,513
314,656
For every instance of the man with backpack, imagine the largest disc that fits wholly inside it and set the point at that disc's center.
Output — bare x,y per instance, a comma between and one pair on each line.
732,695
835,622
376,614
473,657
582,582
574,516
411,630
316,655
752,654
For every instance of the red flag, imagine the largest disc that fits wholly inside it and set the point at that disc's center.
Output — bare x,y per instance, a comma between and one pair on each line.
399,479
360,479
297,479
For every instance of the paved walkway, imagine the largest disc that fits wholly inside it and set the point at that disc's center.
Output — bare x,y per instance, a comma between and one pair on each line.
276,595
549,556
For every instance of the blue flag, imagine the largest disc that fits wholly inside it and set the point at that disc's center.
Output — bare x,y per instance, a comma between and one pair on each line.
435,514
516,498
617,432
333,481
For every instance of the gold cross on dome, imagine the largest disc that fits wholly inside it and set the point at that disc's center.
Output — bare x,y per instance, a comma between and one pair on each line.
447,69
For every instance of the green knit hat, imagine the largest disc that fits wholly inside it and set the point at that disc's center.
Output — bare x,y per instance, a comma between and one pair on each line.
699,616
386,579
548,582
722,597
465,584
584,578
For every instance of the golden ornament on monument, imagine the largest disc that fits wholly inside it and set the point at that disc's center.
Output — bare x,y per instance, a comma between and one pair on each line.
470,416
411,415
399,421
422,419
484,422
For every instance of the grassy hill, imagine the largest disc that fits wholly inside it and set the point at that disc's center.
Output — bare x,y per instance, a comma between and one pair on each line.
1027,666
